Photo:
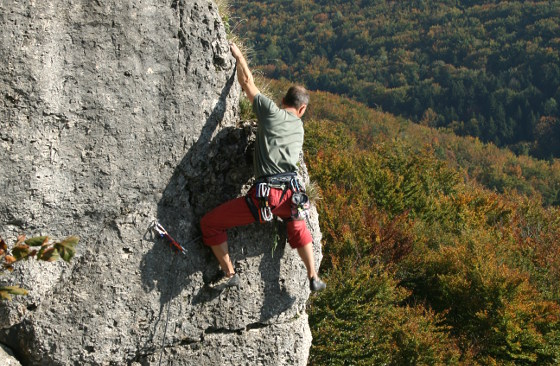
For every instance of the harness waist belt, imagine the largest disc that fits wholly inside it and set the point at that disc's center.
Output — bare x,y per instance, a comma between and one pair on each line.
262,186
277,178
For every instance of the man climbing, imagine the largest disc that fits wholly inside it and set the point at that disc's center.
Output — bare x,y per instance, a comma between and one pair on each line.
277,149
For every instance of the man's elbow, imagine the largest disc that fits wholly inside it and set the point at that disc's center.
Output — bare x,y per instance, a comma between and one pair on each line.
250,90
246,82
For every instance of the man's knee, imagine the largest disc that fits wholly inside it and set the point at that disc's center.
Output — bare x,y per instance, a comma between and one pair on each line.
211,235
299,244
298,234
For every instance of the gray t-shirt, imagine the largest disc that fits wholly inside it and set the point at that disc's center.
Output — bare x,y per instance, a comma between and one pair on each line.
279,138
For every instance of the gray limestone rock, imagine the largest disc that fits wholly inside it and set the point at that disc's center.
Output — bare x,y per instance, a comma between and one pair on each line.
7,357
115,114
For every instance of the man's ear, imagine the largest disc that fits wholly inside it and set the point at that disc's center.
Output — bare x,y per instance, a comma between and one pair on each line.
302,110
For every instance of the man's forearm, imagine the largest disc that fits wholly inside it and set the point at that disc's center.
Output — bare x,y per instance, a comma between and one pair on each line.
244,75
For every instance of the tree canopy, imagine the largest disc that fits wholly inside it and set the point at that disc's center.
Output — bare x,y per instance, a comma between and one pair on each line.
489,69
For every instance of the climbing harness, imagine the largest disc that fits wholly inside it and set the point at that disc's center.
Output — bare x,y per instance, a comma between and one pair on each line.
284,181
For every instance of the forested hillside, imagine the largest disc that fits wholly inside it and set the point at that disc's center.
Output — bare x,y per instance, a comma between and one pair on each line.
489,69
425,266
478,163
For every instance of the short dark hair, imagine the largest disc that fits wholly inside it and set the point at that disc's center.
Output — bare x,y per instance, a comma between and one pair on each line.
296,96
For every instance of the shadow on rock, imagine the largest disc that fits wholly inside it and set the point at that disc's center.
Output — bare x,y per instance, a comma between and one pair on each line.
217,168
277,299
182,202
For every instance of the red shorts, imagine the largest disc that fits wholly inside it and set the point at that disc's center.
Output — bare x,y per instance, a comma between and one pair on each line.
236,213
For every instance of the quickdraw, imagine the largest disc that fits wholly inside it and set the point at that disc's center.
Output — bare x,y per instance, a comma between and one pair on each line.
158,228
262,193
294,185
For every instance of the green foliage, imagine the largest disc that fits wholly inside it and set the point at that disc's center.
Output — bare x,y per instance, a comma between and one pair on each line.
224,10
491,306
67,248
486,69
408,241
359,320
495,168
7,291
403,203
37,241
23,250
246,110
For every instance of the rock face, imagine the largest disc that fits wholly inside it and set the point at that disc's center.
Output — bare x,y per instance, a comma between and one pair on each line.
7,358
115,114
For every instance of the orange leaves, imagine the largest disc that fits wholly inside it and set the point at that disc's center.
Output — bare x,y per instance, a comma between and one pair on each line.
359,320
48,251
23,249
395,239
321,17
490,302
488,264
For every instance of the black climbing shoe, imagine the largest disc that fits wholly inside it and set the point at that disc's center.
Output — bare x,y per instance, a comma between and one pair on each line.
315,284
225,282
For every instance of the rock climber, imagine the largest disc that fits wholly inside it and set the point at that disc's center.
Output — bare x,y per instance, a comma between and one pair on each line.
278,146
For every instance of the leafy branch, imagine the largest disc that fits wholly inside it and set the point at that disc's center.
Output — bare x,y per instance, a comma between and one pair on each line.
38,247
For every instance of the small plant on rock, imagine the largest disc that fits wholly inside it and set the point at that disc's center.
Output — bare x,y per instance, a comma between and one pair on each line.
39,247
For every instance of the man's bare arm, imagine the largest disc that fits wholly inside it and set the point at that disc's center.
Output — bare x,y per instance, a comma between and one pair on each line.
244,75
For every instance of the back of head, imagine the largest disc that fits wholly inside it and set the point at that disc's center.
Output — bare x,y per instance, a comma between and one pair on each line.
296,96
